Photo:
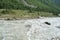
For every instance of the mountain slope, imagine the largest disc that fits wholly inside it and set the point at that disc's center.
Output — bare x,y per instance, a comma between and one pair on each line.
46,5
57,2
41,5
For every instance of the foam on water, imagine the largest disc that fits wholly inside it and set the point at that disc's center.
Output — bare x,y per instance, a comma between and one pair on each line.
42,31
10,30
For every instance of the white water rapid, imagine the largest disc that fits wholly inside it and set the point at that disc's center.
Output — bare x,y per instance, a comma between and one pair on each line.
31,29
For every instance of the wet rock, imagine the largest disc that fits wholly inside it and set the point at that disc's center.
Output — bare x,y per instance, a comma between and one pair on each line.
11,18
8,19
47,23
56,38
28,26
58,27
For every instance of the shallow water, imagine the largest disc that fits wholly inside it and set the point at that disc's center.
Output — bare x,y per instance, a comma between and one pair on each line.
33,29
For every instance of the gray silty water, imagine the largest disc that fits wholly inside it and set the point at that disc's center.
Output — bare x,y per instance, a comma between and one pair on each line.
42,31
12,30
33,29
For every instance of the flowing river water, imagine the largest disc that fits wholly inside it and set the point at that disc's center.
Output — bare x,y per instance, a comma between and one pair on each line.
31,29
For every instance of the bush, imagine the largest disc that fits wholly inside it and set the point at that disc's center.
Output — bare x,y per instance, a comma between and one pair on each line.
56,14
4,12
7,11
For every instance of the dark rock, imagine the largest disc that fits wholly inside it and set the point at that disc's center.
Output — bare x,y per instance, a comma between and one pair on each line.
56,38
9,19
28,25
47,23
58,27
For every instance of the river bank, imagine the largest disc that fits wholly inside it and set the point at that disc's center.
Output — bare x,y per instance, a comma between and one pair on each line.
26,18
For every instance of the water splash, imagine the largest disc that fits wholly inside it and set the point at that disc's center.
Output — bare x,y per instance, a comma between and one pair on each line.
42,31
37,29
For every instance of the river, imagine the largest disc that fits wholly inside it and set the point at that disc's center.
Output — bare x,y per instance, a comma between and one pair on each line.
31,29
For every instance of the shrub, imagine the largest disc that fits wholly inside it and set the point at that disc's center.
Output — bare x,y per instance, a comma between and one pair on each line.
56,14
7,11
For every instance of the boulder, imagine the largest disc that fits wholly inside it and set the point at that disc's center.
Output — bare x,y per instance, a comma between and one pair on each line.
47,23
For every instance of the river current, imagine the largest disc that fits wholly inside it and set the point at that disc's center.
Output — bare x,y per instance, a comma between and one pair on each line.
31,29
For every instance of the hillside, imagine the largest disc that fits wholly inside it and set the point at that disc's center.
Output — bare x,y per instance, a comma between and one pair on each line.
57,2
37,5
45,5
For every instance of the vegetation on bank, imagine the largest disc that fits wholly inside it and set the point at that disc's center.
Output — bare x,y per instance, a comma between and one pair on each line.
23,14
16,8
42,5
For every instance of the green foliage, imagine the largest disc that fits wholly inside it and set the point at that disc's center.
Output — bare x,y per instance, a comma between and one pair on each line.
45,5
23,14
56,14
7,11
42,5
